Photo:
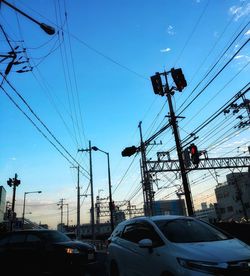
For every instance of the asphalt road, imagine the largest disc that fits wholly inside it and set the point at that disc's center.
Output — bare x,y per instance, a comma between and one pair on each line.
99,268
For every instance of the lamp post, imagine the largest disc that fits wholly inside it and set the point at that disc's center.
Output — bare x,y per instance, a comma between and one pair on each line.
110,192
48,29
24,200
89,149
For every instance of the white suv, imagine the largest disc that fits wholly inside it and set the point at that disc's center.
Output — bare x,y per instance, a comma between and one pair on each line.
174,245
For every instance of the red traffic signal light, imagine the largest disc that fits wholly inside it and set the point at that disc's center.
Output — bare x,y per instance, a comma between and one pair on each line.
178,78
129,151
157,84
195,156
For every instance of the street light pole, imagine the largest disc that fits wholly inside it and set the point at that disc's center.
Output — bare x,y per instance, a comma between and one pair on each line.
110,192
92,189
24,201
48,29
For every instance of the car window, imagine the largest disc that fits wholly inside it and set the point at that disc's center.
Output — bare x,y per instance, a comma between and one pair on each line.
32,238
139,231
130,233
147,231
117,231
54,236
17,238
185,230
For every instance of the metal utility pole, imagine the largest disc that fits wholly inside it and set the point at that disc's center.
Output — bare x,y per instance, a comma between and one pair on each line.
24,201
163,90
92,190
78,203
111,205
67,215
184,176
60,204
146,181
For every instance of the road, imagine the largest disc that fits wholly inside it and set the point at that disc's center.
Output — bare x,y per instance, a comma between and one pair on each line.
99,268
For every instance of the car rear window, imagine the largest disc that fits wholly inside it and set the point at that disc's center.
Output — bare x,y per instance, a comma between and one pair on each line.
54,236
186,231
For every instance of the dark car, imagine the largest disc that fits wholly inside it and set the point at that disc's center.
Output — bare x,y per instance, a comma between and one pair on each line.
45,252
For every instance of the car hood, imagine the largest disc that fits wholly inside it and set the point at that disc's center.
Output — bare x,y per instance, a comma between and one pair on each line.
76,244
218,251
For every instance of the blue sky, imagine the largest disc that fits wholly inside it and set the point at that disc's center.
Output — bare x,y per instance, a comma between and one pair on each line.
91,81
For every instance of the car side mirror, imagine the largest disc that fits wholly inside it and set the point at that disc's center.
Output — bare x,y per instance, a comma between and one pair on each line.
146,243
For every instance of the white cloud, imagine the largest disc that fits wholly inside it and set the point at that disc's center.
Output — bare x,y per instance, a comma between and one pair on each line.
243,58
170,30
165,50
238,12
247,32
239,56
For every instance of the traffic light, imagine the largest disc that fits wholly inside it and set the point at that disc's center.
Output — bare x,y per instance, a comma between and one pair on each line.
178,78
157,84
129,151
195,156
9,182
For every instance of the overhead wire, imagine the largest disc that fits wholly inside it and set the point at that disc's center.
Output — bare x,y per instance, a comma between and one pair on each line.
47,129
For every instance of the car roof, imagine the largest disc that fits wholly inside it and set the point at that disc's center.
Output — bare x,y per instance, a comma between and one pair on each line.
34,230
156,218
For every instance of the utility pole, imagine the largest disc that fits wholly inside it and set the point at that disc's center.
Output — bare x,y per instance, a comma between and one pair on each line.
163,90
77,203
60,204
146,181
92,190
184,176
13,182
67,215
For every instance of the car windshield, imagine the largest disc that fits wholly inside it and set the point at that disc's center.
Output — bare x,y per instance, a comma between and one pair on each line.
188,230
54,236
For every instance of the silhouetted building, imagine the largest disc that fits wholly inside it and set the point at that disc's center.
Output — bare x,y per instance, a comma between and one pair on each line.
169,207
2,202
206,213
233,197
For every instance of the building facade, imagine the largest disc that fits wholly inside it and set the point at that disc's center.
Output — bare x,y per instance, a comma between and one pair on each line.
169,207
233,197
2,202
206,213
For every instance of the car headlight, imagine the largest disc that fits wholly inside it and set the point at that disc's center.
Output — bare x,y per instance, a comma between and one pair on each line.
72,250
208,267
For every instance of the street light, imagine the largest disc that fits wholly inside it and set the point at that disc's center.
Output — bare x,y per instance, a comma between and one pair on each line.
48,29
89,149
37,192
110,193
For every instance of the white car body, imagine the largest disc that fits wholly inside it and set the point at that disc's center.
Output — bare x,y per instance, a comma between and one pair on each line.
172,258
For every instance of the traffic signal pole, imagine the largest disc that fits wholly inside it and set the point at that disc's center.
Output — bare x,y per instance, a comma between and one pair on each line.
184,176
14,182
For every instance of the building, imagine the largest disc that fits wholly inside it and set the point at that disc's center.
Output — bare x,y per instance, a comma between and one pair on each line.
169,207
233,197
2,202
119,216
206,213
